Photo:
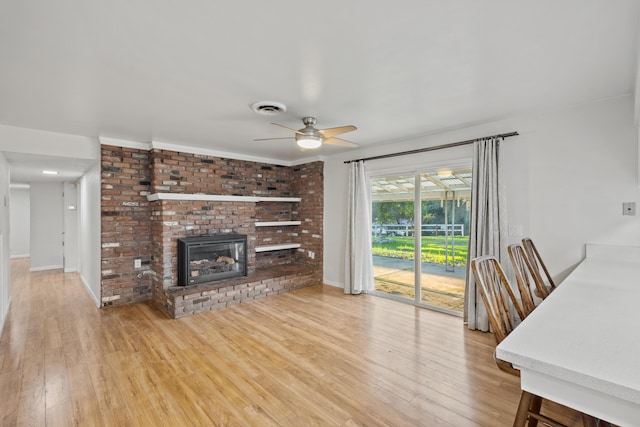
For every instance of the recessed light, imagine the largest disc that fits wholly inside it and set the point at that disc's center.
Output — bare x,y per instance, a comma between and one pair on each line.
50,172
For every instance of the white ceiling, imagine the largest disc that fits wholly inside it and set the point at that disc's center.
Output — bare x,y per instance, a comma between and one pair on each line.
27,168
186,72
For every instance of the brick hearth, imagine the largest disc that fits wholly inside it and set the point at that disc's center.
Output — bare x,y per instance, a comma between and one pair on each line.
134,228
184,301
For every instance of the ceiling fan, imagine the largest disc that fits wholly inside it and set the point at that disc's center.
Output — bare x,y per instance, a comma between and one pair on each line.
309,137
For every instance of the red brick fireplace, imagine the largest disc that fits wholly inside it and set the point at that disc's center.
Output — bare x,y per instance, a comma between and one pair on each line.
150,199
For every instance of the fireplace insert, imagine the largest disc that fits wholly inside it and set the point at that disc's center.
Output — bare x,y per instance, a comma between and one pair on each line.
210,258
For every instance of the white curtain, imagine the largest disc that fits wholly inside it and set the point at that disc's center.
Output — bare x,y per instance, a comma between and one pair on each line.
358,261
488,231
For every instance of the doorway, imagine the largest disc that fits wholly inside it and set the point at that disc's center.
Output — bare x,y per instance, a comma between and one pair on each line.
420,236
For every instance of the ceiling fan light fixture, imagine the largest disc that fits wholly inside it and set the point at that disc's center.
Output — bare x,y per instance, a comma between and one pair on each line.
308,141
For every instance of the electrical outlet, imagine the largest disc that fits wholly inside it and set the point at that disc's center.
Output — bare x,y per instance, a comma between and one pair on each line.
629,208
137,263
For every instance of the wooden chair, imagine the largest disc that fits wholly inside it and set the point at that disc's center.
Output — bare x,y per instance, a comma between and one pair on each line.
522,268
542,289
496,291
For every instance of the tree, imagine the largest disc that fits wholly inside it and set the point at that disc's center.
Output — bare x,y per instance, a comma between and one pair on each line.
392,212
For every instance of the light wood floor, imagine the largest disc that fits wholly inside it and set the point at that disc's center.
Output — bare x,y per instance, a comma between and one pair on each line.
304,358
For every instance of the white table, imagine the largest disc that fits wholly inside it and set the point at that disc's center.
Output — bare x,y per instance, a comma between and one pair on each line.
581,346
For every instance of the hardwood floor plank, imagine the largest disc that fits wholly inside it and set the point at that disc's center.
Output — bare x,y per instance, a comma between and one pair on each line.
82,397
10,389
55,378
60,415
311,357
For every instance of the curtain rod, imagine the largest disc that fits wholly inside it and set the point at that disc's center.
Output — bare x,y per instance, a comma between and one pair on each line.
437,147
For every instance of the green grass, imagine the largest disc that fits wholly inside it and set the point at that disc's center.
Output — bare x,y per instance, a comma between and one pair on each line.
433,249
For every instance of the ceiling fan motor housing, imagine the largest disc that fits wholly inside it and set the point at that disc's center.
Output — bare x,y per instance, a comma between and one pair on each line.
309,121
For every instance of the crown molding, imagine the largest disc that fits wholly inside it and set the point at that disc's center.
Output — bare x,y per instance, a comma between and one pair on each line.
124,143
318,158
216,153
203,151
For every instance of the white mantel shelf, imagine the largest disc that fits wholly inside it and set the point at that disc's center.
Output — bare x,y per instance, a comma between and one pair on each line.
218,198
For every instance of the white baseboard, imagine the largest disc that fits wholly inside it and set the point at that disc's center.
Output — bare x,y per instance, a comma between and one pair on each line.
332,283
48,267
4,318
20,256
93,296
70,270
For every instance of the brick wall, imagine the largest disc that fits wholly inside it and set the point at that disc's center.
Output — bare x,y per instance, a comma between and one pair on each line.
126,225
175,172
134,228
308,183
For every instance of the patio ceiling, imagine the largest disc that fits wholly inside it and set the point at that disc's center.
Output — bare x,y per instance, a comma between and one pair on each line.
441,185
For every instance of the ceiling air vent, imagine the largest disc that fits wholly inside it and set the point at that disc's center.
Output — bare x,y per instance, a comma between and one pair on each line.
268,108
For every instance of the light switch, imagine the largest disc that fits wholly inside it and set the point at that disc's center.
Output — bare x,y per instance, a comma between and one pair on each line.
629,208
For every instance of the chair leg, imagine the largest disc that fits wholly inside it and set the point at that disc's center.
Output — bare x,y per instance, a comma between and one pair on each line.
523,409
589,421
536,404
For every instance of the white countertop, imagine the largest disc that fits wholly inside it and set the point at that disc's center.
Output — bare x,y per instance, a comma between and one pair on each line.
587,332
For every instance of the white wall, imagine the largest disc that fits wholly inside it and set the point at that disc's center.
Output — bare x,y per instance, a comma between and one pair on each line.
89,229
20,214
70,221
46,226
5,276
567,175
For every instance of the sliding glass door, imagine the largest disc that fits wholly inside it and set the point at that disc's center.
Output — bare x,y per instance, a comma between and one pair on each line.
393,235
420,236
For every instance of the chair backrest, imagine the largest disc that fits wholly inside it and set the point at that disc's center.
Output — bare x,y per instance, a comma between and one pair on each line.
536,263
522,268
496,292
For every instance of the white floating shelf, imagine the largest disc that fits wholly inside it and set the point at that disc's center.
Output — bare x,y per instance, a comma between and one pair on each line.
279,199
276,223
218,198
277,247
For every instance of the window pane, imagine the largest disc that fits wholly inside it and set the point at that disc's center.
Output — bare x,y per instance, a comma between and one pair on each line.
445,199
393,245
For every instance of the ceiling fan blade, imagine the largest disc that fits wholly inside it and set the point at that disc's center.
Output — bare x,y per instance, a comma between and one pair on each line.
328,133
271,139
288,128
339,141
